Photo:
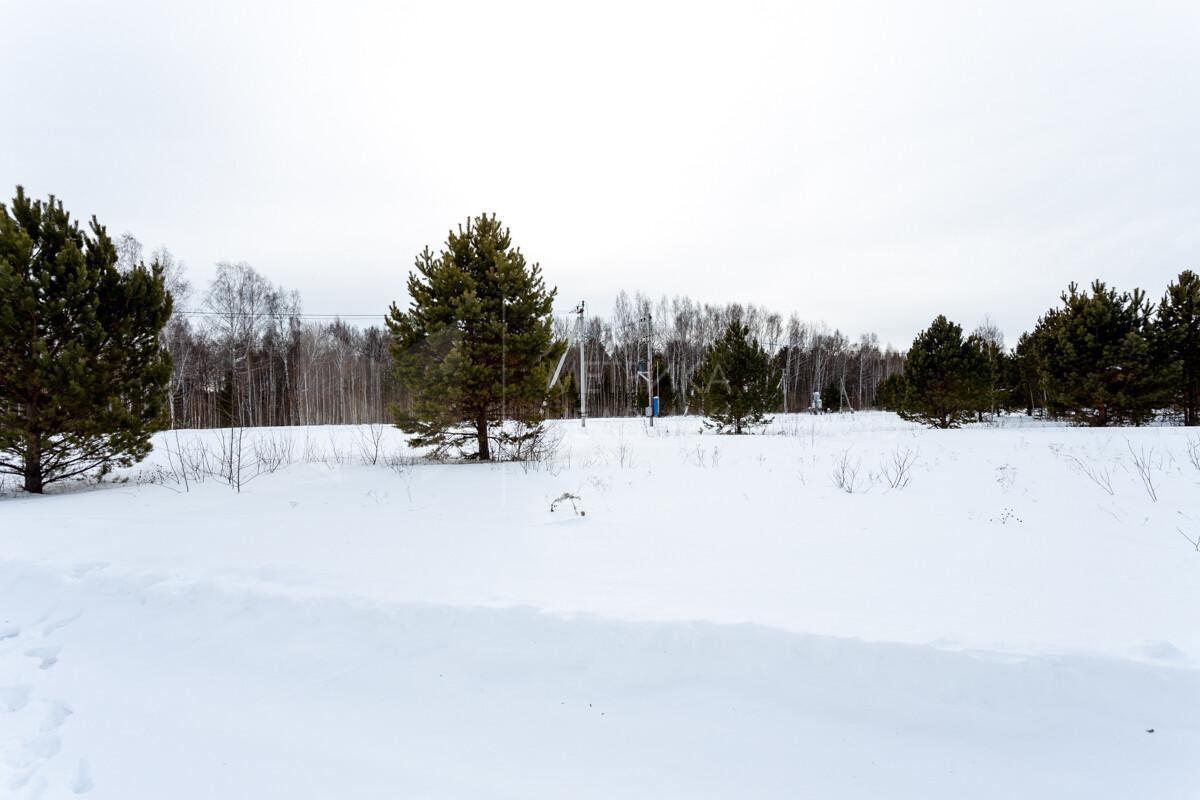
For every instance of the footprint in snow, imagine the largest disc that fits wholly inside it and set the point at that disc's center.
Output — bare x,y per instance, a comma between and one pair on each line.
9,631
82,782
43,745
56,715
48,655
14,698
21,779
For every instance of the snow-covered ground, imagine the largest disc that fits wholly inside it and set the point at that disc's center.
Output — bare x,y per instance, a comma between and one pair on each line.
723,620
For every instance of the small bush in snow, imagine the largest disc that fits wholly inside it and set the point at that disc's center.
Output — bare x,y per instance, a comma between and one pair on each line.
1096,473
1145,465
845,472
896,469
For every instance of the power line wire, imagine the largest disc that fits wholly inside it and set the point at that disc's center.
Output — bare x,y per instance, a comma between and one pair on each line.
277,315
287,315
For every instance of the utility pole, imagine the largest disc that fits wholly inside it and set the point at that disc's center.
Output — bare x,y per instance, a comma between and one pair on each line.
582,334
650,363
648,373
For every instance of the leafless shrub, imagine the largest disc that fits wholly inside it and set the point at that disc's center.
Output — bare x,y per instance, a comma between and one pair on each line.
1098,474
229,458
896,469
1193,542
400,461
370,441
313,454
273,452
1193,449
531,444
624,454
175,462
560,461
552,465
336,456
660,430
845,472
233,465
402,464
703,458
789,428
599,484
1145,466
195,463
1006,476
156,475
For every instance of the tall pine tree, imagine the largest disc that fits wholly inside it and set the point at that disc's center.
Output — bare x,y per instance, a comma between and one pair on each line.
1179,339
475,347
990,341
1097,357
737,383
83,378
889,395
946,377
1029,360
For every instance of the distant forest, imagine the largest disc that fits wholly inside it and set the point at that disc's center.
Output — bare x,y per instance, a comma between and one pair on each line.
245,353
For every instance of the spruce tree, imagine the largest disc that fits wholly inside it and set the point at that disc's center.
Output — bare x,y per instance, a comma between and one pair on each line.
1098,359
990,342
1029,369
737,383
475,347
831,397
889,395
945,377
83,378
1179,339
667,396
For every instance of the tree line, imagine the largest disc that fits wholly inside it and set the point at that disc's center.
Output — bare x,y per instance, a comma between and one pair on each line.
246,355
1100,357
99,349
811,357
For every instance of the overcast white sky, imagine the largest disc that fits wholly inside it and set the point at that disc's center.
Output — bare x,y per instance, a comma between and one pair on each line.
866,164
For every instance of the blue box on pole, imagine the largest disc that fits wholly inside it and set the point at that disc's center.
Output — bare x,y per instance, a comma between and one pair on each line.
654,406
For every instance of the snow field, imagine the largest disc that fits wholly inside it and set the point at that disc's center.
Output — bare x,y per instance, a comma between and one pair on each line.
724,621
